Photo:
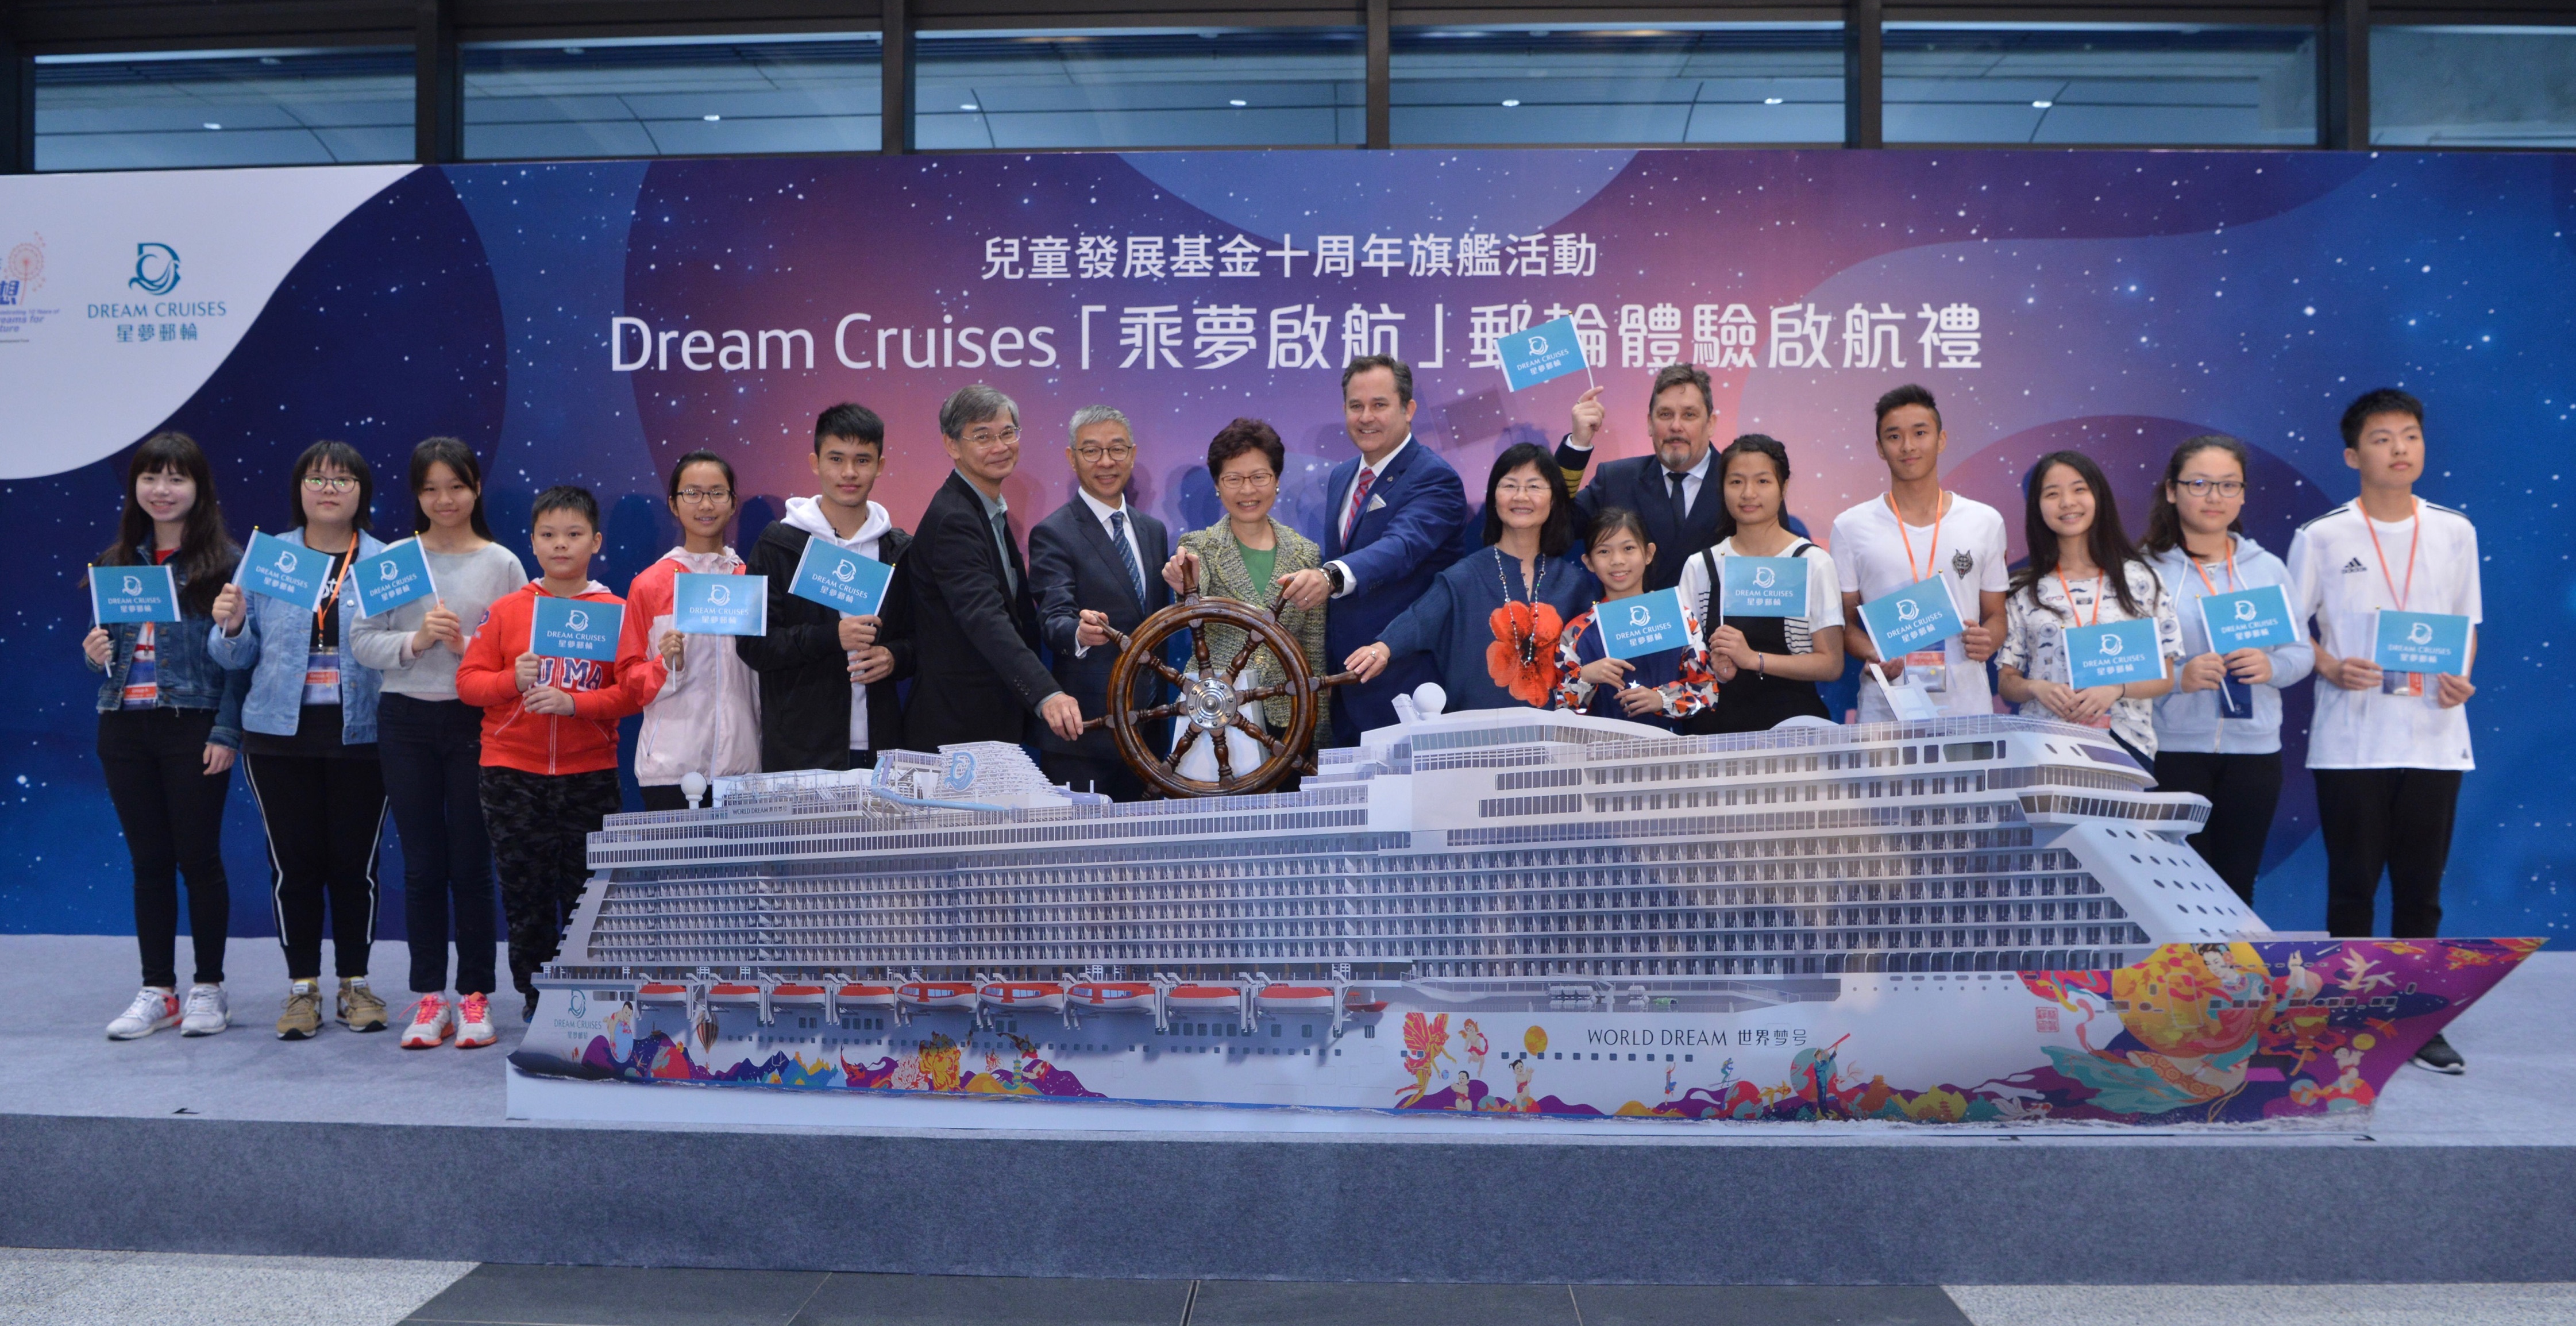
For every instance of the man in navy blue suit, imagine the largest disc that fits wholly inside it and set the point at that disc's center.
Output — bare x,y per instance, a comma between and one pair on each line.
1391,527
1676,489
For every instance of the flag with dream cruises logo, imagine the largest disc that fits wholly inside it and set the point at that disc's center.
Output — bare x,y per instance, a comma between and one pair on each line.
838,578
719,604
392,578
1543,353
289,572
1646,624
2431,642
1919,616
2257,618
1764,586
575,628
2113,653
133,594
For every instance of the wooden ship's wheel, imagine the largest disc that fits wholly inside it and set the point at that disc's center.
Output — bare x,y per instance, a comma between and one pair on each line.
1209,705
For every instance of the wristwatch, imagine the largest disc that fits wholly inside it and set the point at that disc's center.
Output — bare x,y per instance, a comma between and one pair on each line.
1333,572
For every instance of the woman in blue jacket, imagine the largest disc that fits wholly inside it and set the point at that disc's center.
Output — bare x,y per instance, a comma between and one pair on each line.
310,720
169,725
2229,753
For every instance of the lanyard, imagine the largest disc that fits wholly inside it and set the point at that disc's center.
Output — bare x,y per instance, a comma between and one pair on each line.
1932,560
2071,609
332,599
2414,541
2232,581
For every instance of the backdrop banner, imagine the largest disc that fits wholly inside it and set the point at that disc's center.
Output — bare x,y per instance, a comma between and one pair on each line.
589,322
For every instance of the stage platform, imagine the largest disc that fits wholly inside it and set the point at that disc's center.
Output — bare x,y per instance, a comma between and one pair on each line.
348,1146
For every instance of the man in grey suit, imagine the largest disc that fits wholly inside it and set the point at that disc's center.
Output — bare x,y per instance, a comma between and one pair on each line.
1096,562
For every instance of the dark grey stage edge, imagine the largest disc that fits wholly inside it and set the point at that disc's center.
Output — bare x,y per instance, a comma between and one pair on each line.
2059,1211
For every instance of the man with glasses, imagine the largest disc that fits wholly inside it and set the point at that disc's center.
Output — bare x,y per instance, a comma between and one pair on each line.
827,694
974,620
1096,562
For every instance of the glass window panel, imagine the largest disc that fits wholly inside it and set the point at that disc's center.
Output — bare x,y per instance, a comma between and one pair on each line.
672,97
223,108
2101,84
2472,87
1141,88
1691,83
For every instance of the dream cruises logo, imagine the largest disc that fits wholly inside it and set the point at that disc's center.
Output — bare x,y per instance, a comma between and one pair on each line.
156,269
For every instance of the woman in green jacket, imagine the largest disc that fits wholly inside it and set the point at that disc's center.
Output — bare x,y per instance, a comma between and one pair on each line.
1244,557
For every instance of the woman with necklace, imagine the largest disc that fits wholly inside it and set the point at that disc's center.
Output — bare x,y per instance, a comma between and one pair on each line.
2082,572
432,746
1491,621
1767,667
310,746
2219,732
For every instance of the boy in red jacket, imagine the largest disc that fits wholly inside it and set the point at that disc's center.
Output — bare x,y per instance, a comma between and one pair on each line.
549,736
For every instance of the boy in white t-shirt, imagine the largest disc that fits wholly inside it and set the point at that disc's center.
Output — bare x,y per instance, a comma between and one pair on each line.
1910,534
2387,749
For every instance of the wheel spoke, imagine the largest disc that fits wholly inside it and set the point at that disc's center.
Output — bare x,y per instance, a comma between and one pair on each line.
1242,656
1198,647
1337,679
1224,761
1261,734
1189,737
1170,673
1262,693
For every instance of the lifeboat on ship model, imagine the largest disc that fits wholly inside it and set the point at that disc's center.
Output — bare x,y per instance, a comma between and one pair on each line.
1111,996
937,994
1016,996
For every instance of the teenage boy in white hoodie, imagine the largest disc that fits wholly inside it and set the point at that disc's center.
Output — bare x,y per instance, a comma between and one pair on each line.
827,682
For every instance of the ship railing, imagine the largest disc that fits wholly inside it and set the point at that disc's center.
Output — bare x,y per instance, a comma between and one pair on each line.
1821,735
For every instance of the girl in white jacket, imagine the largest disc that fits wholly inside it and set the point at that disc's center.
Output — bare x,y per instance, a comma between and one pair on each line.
706,718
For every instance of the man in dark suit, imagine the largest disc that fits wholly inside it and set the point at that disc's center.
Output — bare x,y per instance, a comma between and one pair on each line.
974,625
1392,527
1676,489
827,682
1096,561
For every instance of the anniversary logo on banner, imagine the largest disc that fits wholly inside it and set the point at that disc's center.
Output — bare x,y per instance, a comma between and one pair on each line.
133,594
720,604
575,628
392,578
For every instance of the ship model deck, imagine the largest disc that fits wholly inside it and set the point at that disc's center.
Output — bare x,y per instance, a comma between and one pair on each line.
1519,912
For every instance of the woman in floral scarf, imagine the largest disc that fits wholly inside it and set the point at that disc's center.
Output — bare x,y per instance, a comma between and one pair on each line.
1491,621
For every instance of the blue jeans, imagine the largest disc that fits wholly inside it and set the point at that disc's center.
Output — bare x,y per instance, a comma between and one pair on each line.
432,751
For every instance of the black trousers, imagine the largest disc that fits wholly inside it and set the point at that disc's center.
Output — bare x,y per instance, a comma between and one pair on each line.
541,826
324,818
1110,777
2243,792
173,816
432,753
2392,821
668,796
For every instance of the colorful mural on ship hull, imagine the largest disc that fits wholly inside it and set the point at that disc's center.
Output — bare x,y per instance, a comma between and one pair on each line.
2210,1033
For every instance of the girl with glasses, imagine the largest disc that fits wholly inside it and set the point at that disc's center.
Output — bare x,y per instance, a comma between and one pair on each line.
430,744
2219,732
705,717
311,746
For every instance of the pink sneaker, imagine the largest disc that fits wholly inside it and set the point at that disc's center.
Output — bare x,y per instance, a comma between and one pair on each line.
431,1022
474,1022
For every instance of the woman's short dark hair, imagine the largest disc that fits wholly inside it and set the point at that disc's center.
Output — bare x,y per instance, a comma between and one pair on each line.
459,460
346,457
698,457
1611,520
1557,534
1246,435
207,553
2164,522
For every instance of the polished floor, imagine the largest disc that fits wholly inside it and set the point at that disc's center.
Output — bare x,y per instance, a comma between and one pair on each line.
71,1288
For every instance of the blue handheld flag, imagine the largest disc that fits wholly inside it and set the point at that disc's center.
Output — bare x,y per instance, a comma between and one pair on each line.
133,594
392,578
1543,353
1647,624
838,578
1919,616
288,572
1763,586
2113,653
575,628
2435,642
719,604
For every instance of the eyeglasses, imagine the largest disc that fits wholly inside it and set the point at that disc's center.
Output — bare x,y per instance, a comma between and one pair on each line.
329,483
2204,487
1095,455
703,496
1251,482
1533,488
983,438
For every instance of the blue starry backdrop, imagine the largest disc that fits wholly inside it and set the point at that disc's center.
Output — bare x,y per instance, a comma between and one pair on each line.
588,322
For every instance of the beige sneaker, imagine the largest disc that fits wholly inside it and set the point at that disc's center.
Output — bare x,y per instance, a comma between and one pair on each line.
359,1009
303,1015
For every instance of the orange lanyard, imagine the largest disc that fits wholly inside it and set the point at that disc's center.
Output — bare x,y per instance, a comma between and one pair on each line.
2232,582
2071,610
1932,561
2414,541
332,599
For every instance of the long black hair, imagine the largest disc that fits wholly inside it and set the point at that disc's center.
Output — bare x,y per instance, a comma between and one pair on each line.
2164,522
2107,542
1750,444
207,553
1557,534
459,460
346,457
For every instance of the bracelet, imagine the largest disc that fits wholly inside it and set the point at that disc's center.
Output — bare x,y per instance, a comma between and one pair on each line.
1761,665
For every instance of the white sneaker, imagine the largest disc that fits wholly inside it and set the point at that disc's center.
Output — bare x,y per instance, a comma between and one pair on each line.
474,1022
151,1010
208,1011
432,1020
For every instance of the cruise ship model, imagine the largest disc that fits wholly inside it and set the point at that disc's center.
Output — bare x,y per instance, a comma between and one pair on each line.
1492,912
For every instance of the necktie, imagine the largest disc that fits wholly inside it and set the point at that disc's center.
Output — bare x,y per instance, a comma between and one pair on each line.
1002,545
1681,509
1359,503
1126,555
